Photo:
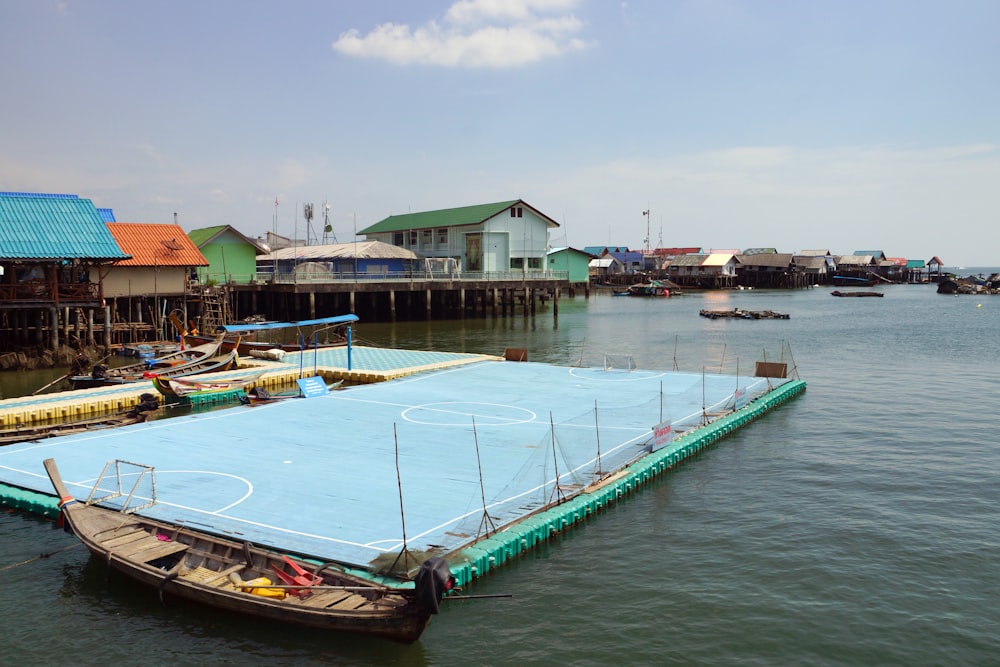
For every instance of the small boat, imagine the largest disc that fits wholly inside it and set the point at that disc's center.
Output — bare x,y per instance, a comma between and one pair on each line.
259,394
192,386
240,577
739,314
135,415
175,363
242,337
837,292
664,288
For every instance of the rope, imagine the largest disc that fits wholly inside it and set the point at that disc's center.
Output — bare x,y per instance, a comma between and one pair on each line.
39,557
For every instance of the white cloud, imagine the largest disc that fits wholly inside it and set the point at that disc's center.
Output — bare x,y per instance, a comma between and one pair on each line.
494,34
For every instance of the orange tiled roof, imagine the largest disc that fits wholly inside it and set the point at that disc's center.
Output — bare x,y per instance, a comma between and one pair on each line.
154,244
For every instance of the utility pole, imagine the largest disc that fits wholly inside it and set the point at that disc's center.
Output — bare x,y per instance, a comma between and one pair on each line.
646,213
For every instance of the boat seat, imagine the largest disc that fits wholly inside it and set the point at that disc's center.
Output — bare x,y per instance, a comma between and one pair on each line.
149,549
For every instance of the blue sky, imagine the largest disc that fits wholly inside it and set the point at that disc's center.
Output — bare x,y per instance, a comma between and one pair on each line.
799,125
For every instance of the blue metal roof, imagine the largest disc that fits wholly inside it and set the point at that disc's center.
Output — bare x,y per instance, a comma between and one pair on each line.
336,319
107,214
53,227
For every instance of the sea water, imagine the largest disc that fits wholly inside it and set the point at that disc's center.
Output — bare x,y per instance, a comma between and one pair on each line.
856,525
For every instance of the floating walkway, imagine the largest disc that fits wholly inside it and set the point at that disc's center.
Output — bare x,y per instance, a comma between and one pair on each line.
359,365
487,458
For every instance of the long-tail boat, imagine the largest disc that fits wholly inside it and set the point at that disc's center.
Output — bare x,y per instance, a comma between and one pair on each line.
182,362
243,578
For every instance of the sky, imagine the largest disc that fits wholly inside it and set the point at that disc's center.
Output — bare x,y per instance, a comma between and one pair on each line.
830,124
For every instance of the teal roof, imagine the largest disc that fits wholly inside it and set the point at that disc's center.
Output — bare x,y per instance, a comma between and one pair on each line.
448,217
915,264
54,228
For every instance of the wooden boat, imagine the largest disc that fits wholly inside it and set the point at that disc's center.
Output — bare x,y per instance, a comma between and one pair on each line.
259,395
191,386
176,363
664,288
135,415
243,578
242,336
837,292
740,314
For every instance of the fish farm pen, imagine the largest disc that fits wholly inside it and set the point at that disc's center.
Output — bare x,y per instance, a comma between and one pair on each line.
482,479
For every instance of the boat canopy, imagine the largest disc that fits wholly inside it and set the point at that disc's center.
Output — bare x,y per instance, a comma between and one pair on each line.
337,319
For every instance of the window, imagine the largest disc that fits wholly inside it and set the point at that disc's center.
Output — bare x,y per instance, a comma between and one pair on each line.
516,212
397,238
442,235
534,262
413,239
517,263
426,238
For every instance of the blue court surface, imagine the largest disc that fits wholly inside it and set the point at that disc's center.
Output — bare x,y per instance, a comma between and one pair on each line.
328,476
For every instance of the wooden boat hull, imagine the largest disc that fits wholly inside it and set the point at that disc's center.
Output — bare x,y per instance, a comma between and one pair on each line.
189,386
195,367
217,571
247,347
135,416
191,360
259,395
837,292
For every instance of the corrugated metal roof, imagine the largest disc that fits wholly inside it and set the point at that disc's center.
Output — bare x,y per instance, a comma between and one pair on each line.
107,215
771,259
449,217
361,250
156,244
719,259
44,195
53,227
854,260
691,259
205,235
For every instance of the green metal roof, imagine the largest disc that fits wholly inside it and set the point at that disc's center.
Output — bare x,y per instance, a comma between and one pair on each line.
205,235
54,228
201,236
448,217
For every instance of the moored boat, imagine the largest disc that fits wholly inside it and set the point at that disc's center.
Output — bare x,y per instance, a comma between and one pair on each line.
196,386
259,394
191,360
135,415
239,577
837,292
243,337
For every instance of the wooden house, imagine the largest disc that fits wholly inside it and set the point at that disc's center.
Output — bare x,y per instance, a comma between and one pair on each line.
231,256
53,249
767,269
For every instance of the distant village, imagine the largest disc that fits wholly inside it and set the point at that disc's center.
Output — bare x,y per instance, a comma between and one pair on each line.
71,273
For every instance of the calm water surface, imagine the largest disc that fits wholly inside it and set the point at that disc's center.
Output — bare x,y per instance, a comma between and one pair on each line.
857,525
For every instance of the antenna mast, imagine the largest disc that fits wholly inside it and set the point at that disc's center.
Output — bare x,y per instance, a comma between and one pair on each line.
327,227
307,212
646,213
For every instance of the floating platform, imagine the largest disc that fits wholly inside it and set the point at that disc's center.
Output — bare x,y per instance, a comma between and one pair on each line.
357,365
487,458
